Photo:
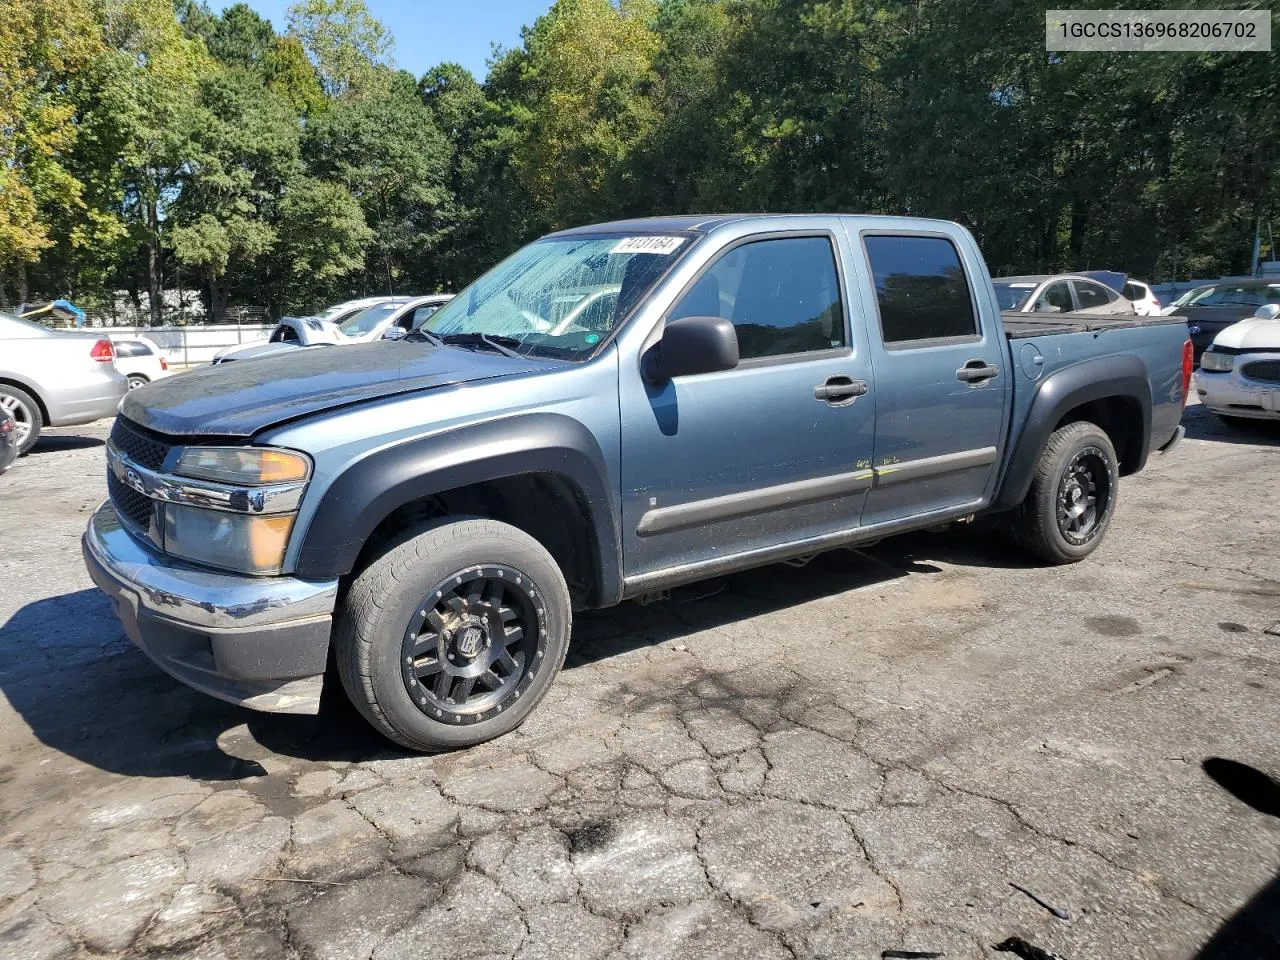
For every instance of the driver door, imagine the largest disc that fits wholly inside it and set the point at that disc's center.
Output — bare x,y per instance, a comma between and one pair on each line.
741,460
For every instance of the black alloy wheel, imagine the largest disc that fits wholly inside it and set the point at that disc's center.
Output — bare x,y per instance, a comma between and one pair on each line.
475,644
1084,496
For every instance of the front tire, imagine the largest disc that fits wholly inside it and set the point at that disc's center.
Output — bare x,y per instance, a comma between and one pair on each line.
1072,498
24,410
453,634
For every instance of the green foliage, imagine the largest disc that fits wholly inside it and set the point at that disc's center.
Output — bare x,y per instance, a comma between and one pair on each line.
345,42
152,142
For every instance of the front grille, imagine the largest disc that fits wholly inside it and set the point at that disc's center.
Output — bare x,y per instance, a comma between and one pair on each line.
140,446
132,506
1268,370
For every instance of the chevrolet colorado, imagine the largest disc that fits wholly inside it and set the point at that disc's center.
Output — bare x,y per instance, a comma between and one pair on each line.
424,515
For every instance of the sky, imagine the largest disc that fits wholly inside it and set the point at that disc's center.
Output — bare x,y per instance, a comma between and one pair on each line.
429,32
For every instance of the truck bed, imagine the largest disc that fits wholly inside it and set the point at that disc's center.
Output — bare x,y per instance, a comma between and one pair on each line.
1019,326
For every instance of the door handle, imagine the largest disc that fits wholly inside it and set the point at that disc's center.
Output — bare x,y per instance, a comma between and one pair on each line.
840,389
977,371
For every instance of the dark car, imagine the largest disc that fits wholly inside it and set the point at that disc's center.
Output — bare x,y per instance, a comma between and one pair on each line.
1212,308
8,440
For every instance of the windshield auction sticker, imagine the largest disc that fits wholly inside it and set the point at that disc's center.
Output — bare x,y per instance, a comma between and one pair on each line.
659,245
1142,31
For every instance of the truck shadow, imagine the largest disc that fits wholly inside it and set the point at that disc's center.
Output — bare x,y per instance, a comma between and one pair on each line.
1254,931
67,669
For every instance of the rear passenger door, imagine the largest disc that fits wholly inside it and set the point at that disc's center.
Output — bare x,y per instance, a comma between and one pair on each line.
940,379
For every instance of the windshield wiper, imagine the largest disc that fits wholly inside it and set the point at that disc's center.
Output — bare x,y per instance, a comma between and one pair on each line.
501,344
423,334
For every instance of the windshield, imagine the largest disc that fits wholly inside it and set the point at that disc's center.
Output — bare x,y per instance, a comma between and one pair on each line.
1231,294
366,320
561,297
1013,296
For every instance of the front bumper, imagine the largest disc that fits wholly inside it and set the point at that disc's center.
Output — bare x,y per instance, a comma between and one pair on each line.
261,642
1234,395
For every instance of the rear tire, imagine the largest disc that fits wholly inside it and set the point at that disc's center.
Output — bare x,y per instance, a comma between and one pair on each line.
26,413
137,380
1072,497
453,634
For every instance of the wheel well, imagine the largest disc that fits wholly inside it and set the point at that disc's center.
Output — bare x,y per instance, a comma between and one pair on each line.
138,376
31,392
544,505
1121,420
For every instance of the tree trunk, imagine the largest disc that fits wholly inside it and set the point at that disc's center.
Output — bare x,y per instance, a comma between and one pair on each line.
155,281
216,298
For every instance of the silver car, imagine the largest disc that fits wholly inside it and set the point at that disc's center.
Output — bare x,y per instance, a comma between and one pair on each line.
1060,293
55,378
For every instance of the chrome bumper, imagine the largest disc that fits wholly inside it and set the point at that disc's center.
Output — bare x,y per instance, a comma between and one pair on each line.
257,641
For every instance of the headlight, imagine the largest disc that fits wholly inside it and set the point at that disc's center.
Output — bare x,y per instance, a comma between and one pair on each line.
249,465
1216,362
239,512
232,541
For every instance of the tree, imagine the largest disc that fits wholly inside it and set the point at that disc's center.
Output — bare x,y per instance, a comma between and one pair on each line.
345,41
41,45
385,149
242,37
243,150
586,71
137,98
322,239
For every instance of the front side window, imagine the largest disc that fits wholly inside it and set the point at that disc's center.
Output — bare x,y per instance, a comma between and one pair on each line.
781,295
921,289
1056,297
366,321
560,297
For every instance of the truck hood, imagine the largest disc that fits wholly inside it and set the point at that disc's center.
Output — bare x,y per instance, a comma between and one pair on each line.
240,399
1252,334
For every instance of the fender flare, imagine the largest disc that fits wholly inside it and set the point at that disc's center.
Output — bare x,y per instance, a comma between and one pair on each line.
364,494
1119,375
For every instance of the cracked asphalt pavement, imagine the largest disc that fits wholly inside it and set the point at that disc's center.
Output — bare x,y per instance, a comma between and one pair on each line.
835,761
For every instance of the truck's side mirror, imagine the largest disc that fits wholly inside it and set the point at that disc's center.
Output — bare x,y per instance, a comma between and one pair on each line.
692,345
395,333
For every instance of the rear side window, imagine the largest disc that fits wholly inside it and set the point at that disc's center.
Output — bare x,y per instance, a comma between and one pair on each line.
782,296
131,348
1134,292
1093,295
921,289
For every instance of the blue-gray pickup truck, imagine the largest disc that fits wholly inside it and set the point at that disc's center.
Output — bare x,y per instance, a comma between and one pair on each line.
610,412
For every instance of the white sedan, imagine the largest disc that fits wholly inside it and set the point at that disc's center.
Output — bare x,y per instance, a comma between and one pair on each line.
1239,377
380,318
141,360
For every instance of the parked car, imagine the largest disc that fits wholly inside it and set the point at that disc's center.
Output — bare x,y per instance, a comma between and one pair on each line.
55,378
141,361
1145,302
370,322
433,510
1060,293
8,440
1239,376
1212,308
